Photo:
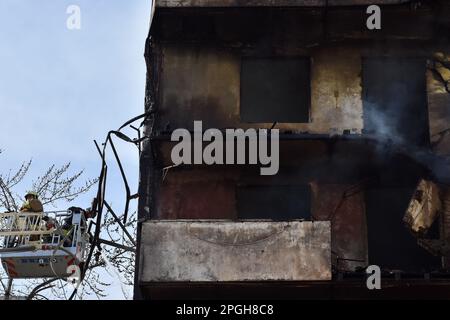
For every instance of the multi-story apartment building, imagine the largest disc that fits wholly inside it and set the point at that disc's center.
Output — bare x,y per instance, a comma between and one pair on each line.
363,116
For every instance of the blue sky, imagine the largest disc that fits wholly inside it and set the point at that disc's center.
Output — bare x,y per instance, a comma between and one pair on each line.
60,89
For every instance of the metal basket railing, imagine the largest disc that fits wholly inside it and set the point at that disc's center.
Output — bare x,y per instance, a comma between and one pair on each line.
24,228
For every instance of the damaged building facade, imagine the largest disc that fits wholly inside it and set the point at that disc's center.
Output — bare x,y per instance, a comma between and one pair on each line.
363,118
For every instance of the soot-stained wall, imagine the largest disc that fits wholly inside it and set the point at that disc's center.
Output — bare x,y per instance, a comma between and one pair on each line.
204,84
194,61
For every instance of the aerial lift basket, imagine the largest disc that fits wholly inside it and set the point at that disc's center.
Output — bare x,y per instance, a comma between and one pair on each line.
29,248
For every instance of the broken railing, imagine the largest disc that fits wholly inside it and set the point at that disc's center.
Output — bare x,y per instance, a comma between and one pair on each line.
94,229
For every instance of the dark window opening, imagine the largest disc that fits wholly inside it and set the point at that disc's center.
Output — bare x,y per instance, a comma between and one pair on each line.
395,99
274,202
391,245
275,90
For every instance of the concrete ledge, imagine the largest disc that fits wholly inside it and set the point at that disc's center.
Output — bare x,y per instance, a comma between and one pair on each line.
176,251
310,290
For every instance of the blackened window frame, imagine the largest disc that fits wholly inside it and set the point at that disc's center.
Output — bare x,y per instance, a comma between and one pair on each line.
426,139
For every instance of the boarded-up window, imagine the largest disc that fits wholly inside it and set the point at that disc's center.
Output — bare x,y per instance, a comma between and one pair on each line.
275,90
274,202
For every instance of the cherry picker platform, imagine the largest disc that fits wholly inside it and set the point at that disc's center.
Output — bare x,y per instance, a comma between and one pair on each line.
39,245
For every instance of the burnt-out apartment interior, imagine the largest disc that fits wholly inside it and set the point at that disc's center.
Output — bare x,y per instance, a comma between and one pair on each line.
363,118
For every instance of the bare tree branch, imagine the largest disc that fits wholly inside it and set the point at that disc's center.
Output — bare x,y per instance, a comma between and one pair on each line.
43,286
56,185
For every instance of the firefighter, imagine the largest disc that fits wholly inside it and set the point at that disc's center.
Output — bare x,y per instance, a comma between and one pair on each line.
88,213
50,224
32,204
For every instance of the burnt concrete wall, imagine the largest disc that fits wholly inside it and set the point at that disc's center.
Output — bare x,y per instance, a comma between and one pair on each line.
348,220
204,84
439,103
194,59
201,52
